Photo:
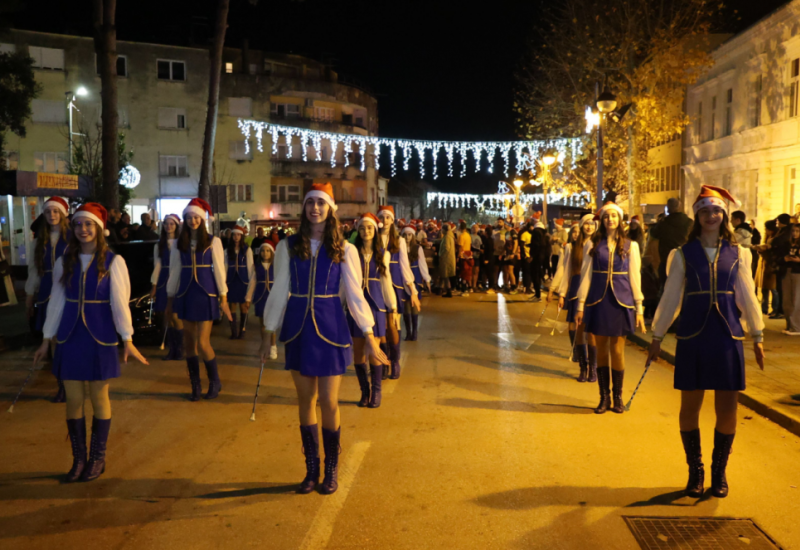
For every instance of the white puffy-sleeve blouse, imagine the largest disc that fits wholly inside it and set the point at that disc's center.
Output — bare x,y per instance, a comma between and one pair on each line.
351,287
120,297
634,274
744,292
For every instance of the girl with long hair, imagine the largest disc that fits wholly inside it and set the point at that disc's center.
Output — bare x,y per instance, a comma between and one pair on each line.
422,280
88,308
610,300
510,255
51,242
240,271
312,269
380,295
197,292
402,281
710,284
565,283
161,254
260,286
791,282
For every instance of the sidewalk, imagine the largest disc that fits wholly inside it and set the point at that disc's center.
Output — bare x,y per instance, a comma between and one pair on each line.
773,392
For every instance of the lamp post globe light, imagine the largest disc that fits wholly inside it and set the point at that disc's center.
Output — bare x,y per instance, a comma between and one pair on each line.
518,211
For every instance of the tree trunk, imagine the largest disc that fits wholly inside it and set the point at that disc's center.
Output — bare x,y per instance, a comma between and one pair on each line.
105,45
214,79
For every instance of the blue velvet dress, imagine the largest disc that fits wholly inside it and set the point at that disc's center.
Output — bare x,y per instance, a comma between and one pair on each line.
197,298
398,282
373,292
238,277
264,280
315,332
51,254
610,309
710,353
163,277
87,337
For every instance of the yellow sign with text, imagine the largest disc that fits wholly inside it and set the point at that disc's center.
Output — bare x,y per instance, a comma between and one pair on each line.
56,181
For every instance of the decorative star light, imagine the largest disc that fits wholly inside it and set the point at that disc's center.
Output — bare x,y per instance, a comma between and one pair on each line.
129,176
525,152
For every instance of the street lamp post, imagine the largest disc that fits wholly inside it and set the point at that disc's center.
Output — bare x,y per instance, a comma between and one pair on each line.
547,161
71,97
518,211
606,103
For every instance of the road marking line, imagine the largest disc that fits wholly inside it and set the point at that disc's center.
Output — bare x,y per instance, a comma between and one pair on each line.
321,529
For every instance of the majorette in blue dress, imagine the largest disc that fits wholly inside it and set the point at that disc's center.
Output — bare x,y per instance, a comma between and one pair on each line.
315,331
51,255
418,280
162,265
238,273
373,292
264,281
709,353
610,308
87,332
398,281
197,296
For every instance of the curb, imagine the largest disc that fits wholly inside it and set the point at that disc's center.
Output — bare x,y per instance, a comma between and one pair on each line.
764,409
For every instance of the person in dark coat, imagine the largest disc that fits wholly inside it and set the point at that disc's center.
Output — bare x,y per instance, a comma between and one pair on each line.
671,233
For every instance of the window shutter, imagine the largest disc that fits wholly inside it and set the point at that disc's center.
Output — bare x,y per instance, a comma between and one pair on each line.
240,106
36,54
52,59
7,48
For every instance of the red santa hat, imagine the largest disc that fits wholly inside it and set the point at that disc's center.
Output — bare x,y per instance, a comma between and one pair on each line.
59,203
607,207
369,217
266,244
383,210
239,229
560,222
173,217
712,196
408,229
588,218
636,218
95,212
200,208
322,191
401,222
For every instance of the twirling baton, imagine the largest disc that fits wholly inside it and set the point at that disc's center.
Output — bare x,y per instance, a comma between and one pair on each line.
165,336
646,368
25,383
255,399
552,332
244,325
546,305
150,317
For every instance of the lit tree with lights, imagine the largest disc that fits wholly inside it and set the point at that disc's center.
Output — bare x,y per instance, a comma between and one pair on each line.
646,51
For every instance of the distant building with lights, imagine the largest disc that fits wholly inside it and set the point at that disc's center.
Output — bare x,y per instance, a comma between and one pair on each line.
162,98
745,111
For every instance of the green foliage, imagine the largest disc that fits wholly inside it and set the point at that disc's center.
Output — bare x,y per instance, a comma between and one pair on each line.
88,161
18,87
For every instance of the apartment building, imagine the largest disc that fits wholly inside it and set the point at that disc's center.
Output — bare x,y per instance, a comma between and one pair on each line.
745,132
162,97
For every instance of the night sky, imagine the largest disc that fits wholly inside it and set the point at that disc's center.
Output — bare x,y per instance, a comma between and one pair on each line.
442,70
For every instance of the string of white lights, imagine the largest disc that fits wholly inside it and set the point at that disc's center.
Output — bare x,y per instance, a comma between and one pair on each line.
570,148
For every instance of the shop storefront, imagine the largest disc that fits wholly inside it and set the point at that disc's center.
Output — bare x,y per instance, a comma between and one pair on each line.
22,195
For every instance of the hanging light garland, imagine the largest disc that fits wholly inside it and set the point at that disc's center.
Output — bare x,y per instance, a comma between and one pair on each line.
566,147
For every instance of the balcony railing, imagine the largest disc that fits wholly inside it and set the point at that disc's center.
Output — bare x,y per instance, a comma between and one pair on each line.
323,122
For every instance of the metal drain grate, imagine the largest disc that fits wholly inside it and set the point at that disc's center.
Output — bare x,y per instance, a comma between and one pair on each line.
690,533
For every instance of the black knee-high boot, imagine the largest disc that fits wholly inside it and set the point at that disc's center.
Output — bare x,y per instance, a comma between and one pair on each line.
603,382
694,458
377,377
719,462
363,382
618,376
592,363
583,363
310,437
414,326
330,441
214,384
193,364
97,451
77,436
407,322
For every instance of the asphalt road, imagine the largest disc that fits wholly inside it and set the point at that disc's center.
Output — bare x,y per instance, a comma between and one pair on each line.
486,441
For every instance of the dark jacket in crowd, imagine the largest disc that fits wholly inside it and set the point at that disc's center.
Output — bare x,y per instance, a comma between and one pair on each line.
671,233
257,242
779,249
539,244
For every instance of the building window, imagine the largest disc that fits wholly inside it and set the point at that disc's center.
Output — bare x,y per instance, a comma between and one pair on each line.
729,112
229,68
122,65
759,91
11,160
325,114
47,111
7,48
172,119
171,70
253,68
236,151
240,193
54,163
285,193
283,151
240,106
47,58
285,110
793,88
698,135
713,129
173,166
